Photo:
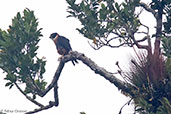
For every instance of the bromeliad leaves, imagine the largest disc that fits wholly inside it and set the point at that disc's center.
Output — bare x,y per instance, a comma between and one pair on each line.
18,57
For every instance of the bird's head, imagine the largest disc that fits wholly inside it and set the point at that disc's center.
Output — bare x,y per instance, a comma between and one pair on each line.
54,36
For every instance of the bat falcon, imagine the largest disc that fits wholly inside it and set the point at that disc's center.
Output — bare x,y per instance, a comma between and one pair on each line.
62,45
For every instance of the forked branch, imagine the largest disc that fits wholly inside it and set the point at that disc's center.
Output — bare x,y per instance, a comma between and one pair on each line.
121,85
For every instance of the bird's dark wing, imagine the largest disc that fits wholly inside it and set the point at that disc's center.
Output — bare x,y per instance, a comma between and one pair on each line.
63,46
63,43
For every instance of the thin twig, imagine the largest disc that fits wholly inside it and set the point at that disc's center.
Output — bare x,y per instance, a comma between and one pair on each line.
29,98
124,106
51,104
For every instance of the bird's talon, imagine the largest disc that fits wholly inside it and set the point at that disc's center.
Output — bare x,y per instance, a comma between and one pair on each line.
60,58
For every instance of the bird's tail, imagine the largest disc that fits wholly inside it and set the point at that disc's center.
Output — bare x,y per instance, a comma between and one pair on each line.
74,61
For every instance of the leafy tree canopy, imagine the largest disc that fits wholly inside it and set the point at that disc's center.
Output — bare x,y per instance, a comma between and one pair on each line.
113,24
18,57
106,21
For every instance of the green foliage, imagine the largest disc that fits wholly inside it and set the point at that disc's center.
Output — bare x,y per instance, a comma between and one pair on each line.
18,56
101,19
165,108
82,113
166,46
167,23
106,20
168,66
167,30
144,107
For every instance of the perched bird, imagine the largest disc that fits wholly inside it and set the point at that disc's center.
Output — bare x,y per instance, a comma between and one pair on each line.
62,45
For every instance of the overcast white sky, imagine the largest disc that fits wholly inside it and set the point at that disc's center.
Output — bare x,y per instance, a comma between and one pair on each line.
79,88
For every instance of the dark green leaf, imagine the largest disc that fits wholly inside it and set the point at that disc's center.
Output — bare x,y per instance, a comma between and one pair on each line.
8,84
11,86
117,6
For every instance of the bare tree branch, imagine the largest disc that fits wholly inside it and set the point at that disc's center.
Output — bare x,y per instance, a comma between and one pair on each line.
136,42
116,46
147,8
147,33
98,70
127,103
29,98
54,80
121,85
56,95
53,84
51,104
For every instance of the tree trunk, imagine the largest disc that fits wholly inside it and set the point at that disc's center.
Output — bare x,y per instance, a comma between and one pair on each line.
156,62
